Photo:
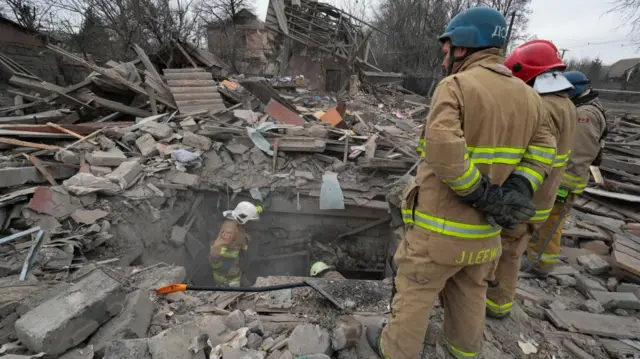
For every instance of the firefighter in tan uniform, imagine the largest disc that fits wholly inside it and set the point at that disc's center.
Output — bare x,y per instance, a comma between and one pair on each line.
538,64
486,150
231,243
588,144
322,270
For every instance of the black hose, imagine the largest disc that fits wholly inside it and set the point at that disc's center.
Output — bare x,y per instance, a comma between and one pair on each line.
248,289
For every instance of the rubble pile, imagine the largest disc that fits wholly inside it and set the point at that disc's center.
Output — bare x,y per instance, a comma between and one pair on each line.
130,143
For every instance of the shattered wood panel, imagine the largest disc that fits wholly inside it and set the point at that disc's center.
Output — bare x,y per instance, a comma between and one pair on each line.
265,93
188,70
609,326
627,262
194,90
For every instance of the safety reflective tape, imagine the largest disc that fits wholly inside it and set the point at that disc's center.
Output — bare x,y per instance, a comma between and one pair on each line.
216,264
382,352
223,279
561,160
534,177
491,155
496,308
459,354
540,154
226,253
549,258
562,192
421,146
574,183
541,215
450,228
470,177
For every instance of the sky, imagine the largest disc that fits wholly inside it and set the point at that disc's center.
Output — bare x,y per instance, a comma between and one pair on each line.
580,26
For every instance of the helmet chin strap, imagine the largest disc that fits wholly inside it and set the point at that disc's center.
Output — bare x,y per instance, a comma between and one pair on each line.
453,59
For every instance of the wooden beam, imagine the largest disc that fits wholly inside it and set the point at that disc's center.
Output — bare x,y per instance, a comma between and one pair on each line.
14,142
103,72
36,163
185,54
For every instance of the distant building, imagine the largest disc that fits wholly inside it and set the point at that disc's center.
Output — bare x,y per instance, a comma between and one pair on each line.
624,70
244,44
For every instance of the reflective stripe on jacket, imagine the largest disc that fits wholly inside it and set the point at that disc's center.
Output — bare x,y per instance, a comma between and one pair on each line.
481,120
590,126
231,240
563,115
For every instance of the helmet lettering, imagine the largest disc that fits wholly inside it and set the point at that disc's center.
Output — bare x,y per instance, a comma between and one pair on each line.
499,31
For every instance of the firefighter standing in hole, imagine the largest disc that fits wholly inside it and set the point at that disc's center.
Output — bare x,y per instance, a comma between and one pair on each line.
323,270
231,243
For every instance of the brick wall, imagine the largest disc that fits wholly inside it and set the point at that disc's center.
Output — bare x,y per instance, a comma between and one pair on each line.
39,61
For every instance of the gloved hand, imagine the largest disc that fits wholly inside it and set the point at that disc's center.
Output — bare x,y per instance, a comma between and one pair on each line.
517,194
505,207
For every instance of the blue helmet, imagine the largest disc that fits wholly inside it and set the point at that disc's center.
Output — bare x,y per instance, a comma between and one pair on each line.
477,27
579,81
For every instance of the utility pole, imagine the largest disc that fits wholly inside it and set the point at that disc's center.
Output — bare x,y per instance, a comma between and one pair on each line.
563,51
506,41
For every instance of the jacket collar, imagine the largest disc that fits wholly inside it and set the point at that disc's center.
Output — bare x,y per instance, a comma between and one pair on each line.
487,57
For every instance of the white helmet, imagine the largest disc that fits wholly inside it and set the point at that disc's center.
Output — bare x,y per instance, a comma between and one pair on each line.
244,212
317,268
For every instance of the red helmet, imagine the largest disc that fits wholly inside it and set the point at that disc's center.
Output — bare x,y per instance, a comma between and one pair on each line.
533,58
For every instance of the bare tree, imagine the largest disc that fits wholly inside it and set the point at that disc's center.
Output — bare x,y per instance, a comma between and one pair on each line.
630,12
28,13
224,10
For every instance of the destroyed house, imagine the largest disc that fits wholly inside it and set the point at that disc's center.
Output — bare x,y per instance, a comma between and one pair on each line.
321,42
244,41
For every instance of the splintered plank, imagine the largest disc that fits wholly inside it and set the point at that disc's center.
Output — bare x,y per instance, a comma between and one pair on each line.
627,262
196,96
192,90
188,76
187,70
191,83
610,326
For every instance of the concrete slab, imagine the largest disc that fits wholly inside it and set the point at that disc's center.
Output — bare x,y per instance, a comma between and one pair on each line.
71,317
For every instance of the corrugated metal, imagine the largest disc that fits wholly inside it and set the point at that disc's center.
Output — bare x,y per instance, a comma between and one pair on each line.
193,90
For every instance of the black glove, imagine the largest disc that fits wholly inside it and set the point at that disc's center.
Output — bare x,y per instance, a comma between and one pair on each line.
487,198
516,199
504,206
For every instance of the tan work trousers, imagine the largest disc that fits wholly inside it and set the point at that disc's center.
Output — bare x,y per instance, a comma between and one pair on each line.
502,289
549,257
418,281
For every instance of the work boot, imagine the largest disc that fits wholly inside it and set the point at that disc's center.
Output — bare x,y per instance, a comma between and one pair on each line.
373,333
529,266
492,315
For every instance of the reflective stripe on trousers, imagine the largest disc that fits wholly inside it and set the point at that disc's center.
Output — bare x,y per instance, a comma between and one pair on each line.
459,354
448,227
498,309
541,215
222,279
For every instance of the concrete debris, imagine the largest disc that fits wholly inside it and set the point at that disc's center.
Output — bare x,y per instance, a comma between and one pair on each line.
54,201
186,179
147,145
309,339
111,158
126,174
591,306
83,216
235,320
132,348
196,141
273,145
159,131
594,264
69,318
131,323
